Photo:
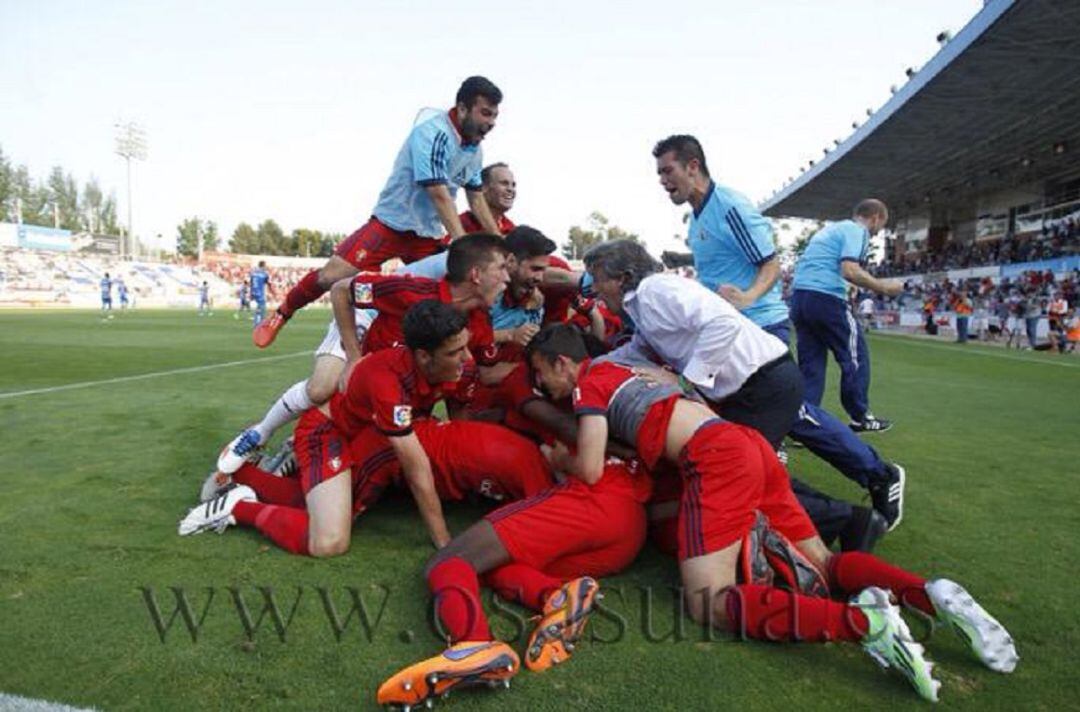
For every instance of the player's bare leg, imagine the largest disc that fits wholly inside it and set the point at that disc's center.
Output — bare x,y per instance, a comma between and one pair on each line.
329,507
324,378
706,580
479,545
310,288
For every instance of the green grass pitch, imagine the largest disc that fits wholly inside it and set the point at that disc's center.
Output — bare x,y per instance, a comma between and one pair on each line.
95,478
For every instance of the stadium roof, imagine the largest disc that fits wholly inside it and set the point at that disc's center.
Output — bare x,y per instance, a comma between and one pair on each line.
997,106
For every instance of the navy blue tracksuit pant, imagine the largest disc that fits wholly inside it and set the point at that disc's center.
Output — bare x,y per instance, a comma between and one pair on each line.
824,323
824,435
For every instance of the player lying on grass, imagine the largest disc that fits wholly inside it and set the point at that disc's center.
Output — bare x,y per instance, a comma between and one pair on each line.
380,431
475,277
526,553
731,476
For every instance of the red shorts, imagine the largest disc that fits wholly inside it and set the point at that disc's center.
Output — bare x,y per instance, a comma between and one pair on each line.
375,242
321,450
466,458
375,467
729,471
573,530
482,458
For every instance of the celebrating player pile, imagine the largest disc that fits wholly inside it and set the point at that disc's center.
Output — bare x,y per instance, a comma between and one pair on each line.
673,432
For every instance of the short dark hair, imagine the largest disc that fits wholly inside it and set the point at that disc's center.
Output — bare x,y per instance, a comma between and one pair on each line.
870,208
474,250
429,323
485,174
625,260
685,148
557,340
477,86
524,242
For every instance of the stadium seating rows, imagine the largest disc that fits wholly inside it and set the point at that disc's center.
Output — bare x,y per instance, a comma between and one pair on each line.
33,277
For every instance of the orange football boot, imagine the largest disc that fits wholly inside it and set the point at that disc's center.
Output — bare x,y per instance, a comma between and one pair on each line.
489,662
268,329
563,621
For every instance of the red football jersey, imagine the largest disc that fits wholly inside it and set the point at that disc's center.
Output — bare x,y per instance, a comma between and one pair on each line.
386,390
612,322
392,295
597,386
558,298
471,224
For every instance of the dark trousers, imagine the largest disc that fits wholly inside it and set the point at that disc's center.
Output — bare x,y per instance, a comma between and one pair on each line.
824,435
961,329
823,324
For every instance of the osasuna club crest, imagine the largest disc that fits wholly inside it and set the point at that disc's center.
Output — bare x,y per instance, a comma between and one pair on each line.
362,292
402,416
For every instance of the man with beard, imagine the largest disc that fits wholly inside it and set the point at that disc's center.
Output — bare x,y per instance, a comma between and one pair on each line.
416,207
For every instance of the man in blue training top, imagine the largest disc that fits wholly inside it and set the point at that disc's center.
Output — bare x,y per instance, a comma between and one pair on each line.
259,280
122,292
416,208
822,315
106,293
734,255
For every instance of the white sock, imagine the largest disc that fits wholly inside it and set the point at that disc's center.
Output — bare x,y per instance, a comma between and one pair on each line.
285,409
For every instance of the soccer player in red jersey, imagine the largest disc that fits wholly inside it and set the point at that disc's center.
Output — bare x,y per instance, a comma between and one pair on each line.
476,275
524,552
479,275
499,190
378,431
517,313
416,207
731,476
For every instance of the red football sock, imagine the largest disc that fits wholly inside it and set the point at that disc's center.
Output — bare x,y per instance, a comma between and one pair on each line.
285,526
852,571
457,600
270,488
303,293
522,584
768,613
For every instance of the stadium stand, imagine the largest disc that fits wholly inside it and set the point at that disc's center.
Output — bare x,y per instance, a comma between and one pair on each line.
975,157
42,278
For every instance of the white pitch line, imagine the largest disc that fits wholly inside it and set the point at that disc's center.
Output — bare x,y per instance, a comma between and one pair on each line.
144,376
18,703
976,351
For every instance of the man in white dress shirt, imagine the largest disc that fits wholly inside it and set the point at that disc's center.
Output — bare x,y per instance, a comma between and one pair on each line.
747,374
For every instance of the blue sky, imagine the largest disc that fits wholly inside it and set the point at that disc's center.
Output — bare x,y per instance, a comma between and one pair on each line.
296,111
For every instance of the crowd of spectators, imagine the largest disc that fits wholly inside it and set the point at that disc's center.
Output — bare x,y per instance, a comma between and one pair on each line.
1007,307
74,277
282,278
983,291
1057,240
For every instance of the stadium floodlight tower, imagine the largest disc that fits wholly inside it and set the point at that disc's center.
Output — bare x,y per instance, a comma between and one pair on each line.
130,143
